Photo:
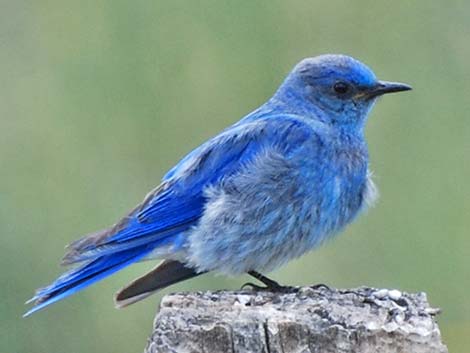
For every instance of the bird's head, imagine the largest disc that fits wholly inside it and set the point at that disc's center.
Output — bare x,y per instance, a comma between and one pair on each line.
340,88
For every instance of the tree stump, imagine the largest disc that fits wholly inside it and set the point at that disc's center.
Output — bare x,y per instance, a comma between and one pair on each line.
305,319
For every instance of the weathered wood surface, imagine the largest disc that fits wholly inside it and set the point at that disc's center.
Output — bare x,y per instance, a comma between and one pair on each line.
320,320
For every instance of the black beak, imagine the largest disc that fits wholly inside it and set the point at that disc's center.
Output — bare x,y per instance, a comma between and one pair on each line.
383,87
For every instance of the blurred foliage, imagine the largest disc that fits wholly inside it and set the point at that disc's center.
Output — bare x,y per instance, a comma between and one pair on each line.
99,98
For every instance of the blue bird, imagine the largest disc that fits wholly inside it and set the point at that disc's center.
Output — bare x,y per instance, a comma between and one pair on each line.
266,190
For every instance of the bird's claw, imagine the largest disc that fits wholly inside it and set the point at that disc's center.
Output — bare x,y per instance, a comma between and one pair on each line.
252,286
320,286
275,288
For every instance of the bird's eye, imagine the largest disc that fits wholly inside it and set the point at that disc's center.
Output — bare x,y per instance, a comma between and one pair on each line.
341,87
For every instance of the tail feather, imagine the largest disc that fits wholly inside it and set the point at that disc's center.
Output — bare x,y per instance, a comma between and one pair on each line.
85,275
83,251
166,273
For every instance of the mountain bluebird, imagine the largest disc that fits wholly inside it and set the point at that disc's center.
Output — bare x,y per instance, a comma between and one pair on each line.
266,190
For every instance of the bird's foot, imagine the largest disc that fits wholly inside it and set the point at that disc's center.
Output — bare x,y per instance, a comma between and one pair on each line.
320,286
274,289
270,285
252,286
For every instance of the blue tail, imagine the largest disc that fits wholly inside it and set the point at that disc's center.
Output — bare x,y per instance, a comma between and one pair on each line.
85,275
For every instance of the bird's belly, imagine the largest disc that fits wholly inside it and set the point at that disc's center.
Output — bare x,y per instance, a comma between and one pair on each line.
315,223
233,238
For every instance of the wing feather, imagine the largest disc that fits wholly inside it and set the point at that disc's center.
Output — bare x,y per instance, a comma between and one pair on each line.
178,203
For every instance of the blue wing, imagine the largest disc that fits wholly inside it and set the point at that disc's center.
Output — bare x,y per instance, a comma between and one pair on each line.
173,207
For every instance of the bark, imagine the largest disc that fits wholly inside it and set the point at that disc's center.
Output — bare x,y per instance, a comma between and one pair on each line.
305,319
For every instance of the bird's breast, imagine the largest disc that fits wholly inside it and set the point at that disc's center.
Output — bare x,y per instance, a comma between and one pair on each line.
336,188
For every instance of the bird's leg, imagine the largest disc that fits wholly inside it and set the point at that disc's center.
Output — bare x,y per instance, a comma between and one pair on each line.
267,281
271,285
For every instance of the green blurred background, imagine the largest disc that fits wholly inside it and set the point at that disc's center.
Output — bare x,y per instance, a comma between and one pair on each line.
99,98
